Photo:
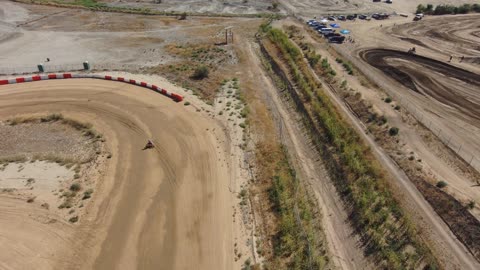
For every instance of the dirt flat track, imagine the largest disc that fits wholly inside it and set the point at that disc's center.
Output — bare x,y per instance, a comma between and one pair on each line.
164,208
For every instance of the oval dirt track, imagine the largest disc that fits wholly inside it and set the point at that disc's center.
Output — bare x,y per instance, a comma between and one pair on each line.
166,208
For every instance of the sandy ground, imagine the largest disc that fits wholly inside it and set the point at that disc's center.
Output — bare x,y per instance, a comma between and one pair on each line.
30,34
152,209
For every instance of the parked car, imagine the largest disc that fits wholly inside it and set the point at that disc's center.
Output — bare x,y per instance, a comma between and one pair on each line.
377,0
362,17
389,1
331,18
326,30
336,39
350,17
342,18
331,34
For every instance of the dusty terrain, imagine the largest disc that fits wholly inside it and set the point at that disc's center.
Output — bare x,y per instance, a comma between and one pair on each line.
29,34
182,205
173,200
302,8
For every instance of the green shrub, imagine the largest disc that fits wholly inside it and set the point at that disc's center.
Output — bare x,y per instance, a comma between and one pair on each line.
75,187
441,184
388,100
87,194
200,73
73,219
393,131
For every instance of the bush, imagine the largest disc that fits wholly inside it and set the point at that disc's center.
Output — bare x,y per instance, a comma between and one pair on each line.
200,73
87,194
388,99
441,184
393,131
73,219
75,187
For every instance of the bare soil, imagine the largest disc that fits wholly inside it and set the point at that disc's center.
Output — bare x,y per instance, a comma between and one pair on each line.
176,193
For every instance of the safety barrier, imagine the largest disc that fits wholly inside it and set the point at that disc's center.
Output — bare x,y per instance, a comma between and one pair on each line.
155,88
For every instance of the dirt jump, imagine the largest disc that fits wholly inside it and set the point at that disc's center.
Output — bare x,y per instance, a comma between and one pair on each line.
165,208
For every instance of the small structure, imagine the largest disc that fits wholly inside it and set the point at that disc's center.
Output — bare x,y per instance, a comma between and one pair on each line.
228,34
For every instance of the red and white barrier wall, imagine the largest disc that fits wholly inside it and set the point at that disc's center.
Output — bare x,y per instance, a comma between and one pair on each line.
155,88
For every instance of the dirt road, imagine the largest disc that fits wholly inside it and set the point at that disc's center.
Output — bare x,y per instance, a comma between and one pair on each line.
166,208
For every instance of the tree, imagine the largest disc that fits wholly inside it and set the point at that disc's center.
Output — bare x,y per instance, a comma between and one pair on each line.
420,8
429,8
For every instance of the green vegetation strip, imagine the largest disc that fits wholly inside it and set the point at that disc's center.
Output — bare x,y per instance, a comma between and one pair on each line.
386,231
448,9
298,238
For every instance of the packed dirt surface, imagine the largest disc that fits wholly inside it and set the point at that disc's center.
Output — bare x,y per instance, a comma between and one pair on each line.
151,208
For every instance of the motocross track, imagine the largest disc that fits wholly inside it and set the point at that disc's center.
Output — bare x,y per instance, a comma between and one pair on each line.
458,37
163,208
415,72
